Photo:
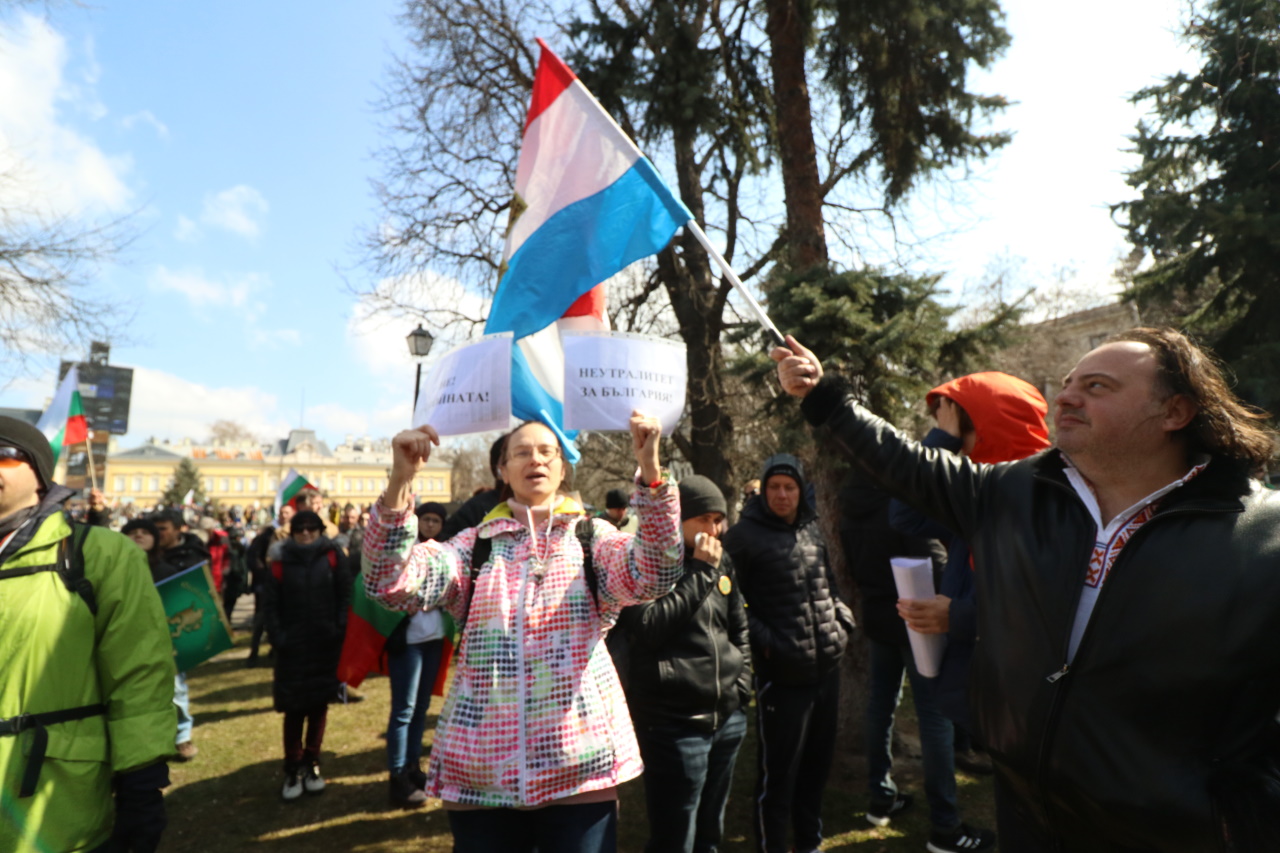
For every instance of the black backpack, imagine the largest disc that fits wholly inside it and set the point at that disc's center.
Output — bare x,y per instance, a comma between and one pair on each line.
69,564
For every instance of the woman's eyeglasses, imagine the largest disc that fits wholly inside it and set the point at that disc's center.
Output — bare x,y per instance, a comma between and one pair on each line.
545,451
12,457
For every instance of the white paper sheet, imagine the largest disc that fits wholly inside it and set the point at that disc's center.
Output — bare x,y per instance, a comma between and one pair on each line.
914,579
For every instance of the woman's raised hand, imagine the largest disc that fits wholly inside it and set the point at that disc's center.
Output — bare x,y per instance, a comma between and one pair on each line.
409,450
646,430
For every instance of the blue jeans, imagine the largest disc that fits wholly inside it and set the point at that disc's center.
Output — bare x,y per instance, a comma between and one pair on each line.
182,700
412,672
687,775
581,828
937,746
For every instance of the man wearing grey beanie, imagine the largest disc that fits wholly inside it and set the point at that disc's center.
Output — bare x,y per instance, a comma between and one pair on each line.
687,675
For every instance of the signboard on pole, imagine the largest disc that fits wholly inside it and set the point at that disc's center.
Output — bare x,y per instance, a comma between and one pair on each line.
607,374
469,388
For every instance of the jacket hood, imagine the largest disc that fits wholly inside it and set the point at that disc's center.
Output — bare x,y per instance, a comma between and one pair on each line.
1008,414
758,506
54,497
566,506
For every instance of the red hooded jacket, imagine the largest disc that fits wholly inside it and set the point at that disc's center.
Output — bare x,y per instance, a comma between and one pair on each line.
1007,413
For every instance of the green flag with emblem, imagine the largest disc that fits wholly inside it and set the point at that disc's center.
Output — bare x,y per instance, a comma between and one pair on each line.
197,625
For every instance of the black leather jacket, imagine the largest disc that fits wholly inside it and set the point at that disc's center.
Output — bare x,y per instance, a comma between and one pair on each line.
689,656
1178,673
799,625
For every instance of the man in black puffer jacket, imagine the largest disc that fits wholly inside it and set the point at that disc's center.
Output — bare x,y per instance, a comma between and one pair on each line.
688,679
1126,675
799,627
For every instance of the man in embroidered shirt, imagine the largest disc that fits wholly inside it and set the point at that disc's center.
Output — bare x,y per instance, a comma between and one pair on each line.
1128,673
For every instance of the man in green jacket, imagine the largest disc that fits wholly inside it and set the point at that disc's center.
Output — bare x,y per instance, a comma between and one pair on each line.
86,672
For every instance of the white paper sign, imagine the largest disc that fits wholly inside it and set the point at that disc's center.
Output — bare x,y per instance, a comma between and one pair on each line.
914,578
469,388
607,374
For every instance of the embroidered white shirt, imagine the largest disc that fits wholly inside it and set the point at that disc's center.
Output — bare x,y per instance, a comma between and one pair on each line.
1111,538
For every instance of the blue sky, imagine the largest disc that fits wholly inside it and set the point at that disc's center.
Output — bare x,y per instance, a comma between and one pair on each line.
243,135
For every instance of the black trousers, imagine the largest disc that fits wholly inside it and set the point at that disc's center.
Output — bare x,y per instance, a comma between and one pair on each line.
797,735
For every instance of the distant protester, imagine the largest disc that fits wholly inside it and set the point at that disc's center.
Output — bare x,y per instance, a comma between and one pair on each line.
308,589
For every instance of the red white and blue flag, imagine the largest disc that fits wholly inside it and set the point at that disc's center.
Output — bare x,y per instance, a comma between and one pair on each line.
587,204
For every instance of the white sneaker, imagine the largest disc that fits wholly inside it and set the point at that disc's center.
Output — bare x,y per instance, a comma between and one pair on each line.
292,785
312,781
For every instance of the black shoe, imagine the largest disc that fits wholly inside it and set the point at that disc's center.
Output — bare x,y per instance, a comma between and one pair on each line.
417,777
880,813
403,793
962,839
977,763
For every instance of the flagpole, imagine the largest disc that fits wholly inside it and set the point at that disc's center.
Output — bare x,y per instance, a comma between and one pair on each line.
88,446
728,272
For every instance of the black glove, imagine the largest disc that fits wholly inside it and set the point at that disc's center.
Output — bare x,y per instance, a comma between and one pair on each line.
140,817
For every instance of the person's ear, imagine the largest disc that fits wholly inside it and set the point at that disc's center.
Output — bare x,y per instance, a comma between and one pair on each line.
1179,411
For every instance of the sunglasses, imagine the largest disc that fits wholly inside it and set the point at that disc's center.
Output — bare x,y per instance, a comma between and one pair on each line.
308,529
12,457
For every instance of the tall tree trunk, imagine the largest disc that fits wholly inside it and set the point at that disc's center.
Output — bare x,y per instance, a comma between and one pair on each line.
788,27
693,295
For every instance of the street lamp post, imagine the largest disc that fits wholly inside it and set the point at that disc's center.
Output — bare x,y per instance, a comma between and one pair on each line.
420,341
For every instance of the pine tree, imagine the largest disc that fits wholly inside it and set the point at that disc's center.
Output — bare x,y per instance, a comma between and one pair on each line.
1209,211
185,478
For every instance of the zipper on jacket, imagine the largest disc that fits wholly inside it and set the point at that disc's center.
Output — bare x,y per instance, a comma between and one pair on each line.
715,653
1053,679
522,783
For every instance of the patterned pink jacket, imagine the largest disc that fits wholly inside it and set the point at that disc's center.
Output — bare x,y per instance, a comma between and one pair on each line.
536,711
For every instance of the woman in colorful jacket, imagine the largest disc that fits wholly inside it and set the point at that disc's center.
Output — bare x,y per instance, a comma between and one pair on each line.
535,735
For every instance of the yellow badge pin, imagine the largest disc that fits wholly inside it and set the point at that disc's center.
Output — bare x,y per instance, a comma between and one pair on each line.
725,585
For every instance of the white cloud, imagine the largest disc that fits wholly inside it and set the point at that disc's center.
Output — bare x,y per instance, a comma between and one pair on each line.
186,231
146,117
202,291
238,210
51,169
273,339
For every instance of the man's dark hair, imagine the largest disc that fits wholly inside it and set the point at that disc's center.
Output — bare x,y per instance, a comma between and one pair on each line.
1223,425
172,516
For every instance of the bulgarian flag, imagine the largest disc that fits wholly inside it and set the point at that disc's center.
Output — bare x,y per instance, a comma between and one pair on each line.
369,624
63,422
292,483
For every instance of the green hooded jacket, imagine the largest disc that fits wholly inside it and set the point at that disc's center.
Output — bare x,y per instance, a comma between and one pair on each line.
56,655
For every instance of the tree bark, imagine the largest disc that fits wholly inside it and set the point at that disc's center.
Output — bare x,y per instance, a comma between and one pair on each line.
788,29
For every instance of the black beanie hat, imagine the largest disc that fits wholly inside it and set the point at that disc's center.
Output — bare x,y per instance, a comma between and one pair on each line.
305,518
433,508
617,499
141,524
30,440
782,463
699,496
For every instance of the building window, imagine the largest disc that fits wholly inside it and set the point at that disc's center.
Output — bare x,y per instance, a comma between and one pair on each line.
119,483
223,485
328,483
346,484
155,484
253,484
370,486
137,484
273,483
239,484
208,484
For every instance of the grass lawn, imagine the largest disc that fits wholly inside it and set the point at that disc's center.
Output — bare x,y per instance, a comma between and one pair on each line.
228,798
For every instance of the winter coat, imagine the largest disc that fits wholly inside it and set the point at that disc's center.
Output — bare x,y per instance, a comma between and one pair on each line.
1177,677
535,712
187,553
799,626
689,652
56,655
307,593
869,543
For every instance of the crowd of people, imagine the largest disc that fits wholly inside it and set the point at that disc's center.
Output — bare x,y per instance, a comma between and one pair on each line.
1108,603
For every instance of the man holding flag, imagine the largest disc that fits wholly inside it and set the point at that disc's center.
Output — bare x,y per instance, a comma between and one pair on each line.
82,759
